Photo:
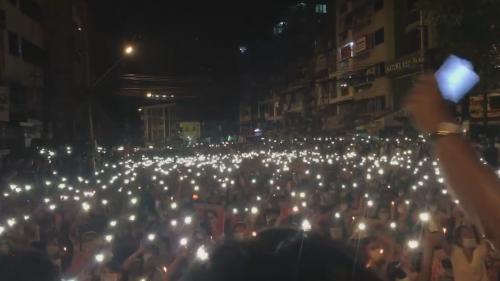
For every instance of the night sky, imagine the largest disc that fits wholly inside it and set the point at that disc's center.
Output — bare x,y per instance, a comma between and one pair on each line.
178,38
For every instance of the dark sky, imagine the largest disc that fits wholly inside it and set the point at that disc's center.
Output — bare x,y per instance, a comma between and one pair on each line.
183,37
179,37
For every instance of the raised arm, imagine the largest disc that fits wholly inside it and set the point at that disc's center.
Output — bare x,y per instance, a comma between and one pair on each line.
473,183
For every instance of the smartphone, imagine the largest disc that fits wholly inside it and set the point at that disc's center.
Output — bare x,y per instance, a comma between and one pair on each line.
456,78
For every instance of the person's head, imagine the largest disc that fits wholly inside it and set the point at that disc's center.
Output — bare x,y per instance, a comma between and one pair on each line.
280,255
374,250
466,236
384,214
240,231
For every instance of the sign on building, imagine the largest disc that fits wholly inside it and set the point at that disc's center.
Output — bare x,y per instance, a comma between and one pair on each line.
360,45
404,65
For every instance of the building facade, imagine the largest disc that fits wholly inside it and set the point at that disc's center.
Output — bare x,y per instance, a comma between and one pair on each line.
42,70
364,56
365,44
293,93
160,123
22,59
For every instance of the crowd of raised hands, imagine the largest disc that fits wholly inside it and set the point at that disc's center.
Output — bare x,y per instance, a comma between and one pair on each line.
150,214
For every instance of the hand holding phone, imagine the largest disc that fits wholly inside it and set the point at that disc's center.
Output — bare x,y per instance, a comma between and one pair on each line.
455,78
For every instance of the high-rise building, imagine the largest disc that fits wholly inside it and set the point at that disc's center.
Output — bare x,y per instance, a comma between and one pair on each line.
289,85
364,44
22,59
67,69
43,52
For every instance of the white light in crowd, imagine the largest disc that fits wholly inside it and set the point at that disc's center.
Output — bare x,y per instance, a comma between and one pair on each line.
362,226
133,201
380,171
188,220
202,253
99,258
2,229
302,195
254,233
104,202
108,238
52,207
26,217
131,218
441,180
151,237
393,225
413,244
112,223
424,217
235,211
85,206
457,201
11,222
444,191
183,241
173,205
295,209
254,210
369,203
307,172
27,187
254,180
337,215
306,225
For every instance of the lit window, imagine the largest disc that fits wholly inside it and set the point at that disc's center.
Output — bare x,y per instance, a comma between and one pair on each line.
280,27
321,8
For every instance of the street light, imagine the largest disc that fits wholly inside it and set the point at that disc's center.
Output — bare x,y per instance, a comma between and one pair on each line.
129,50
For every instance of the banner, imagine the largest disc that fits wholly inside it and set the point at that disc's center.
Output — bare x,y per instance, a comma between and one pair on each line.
360,45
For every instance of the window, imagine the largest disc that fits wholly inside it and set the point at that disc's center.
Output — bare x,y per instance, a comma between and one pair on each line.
378,5
321,8
378,37
412,41
31,8
346,51
344,90
494,102
13,44
279,28
32,53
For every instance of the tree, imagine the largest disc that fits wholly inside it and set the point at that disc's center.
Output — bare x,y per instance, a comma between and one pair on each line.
471,29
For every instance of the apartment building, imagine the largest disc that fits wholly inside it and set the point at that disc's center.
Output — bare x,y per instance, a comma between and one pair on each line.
22,57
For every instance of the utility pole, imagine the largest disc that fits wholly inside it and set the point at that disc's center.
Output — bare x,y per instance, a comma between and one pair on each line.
422,40
88,91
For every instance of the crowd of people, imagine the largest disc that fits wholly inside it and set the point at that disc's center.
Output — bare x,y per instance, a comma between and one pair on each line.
352,207
149,214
